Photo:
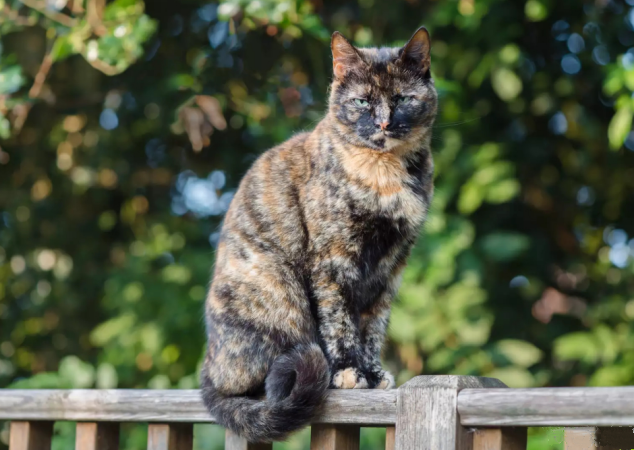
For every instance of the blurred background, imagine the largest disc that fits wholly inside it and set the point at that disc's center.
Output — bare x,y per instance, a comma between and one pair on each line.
125,127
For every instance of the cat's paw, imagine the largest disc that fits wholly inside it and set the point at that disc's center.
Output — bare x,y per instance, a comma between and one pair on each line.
349,378
387,381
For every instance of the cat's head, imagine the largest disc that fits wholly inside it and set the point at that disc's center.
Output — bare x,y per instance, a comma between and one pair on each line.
383,98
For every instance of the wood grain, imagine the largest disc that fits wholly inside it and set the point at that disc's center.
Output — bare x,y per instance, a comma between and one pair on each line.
500,439
235,442
538,407
361,407
389,438
334,437
97,436
30,435
173,436
427,416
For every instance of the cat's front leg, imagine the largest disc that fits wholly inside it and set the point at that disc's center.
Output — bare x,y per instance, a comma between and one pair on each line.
373,329
340,335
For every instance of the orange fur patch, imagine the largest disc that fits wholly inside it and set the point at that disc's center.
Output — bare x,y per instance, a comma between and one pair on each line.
382,172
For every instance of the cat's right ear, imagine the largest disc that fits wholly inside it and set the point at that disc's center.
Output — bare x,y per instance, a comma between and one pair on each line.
344,56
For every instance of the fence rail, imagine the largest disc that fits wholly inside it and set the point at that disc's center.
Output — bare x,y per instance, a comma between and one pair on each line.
427,413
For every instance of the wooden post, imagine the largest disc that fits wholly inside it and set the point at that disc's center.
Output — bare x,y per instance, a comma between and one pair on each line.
334,437
389,438
235,442
500,439
603,438
173,436
30,435
427,413
97,436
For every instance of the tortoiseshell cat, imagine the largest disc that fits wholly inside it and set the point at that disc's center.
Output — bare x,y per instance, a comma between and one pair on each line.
314,243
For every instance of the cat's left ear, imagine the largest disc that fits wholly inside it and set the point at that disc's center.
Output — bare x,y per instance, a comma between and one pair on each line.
416,51
345,56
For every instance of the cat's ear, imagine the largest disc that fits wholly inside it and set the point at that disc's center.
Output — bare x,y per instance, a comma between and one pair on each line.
344,56
416,51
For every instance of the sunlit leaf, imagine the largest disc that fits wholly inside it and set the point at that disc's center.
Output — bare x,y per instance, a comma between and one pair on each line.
520,353
620,126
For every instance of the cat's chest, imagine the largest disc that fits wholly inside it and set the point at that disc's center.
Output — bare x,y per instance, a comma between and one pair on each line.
403,209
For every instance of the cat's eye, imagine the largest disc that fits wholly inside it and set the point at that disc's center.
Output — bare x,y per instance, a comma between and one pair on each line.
360,102
404,99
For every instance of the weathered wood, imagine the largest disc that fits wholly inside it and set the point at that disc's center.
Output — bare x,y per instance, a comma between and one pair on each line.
30,435
593,438
538,407
500,439
426,413
235,442
334,437
172,436
97,436
389,438
372,407
361,407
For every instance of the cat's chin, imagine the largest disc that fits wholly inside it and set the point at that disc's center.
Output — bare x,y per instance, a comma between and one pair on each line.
385,143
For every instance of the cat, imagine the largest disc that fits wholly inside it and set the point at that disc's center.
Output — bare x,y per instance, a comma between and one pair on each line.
313,246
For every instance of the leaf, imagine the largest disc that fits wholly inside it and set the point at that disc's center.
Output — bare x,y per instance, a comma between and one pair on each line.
515,377
78,374
11,79
5,127
44,380
520,353
504,246
535,10
576,346
112,328
615,375
62,48
471,196
503,191
620,126
107,377
506,84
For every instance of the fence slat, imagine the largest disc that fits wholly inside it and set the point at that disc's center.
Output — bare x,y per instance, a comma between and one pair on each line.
580,438
97,436
593,438
171,436
30,435
334,437
235,442
500,439
427,415
389,438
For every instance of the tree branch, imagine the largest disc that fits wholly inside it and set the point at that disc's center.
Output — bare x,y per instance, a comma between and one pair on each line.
58,17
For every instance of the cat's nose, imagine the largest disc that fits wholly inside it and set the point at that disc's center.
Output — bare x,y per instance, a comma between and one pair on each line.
383,125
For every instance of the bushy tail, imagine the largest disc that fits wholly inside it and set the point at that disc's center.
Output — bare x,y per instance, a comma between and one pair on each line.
295,389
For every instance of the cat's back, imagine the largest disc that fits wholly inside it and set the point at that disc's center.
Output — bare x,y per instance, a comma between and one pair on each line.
267,207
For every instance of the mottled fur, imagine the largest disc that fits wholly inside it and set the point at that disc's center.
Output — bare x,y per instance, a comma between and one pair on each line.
313,245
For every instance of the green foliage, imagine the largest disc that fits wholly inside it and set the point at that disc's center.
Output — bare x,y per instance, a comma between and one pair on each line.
125,129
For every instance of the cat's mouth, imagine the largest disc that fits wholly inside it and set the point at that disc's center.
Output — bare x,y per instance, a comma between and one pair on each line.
385,141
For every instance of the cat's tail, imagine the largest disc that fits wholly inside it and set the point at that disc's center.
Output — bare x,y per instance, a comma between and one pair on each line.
295,389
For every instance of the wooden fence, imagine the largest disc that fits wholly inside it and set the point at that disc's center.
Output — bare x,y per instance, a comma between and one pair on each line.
427,413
